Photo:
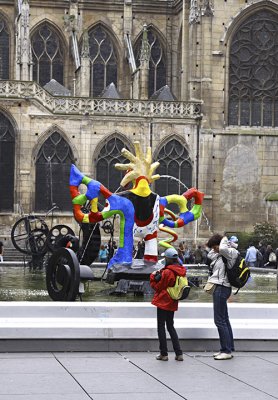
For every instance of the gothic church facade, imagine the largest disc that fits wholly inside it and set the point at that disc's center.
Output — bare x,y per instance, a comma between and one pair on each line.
196,80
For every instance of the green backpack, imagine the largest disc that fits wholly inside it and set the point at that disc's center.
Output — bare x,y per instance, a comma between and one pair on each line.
180,290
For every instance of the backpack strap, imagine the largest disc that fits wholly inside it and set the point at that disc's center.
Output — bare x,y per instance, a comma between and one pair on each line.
225,261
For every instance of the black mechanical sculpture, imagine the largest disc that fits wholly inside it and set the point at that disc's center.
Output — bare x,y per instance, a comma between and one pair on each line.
65,275
29,235
68,266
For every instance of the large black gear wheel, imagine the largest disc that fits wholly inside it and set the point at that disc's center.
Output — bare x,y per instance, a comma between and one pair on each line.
63,275
29,235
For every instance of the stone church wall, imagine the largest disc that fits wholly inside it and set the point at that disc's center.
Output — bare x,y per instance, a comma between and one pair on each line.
237,167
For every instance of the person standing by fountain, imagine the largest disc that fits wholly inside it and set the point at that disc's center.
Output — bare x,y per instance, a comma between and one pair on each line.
269,257
276,253
188,256
251,256
199,255
140,250
1,251
166,306
181,250
220,246
103,254
262,248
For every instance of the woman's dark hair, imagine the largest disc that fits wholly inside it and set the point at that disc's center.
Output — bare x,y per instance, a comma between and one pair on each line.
214,240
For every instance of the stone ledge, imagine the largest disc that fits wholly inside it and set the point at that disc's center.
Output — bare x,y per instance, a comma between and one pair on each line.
41,310
43,326
38,320
129,328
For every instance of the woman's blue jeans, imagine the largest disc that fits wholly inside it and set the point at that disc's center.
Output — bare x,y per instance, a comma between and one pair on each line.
221,318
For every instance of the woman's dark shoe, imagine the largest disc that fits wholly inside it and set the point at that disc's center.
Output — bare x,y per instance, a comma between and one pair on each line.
179,357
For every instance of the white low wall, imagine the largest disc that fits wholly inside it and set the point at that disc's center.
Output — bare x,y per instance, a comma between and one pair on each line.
129,321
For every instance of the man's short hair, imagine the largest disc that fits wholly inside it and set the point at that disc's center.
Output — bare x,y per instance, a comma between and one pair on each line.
214,240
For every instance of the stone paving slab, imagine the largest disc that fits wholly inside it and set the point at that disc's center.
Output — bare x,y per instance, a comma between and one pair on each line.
199,378
137,382
137,396
82,354
31,366
37,383
255,371
137,375
44,397
93,365
24,355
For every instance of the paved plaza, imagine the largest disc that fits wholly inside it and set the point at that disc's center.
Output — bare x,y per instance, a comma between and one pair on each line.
134,376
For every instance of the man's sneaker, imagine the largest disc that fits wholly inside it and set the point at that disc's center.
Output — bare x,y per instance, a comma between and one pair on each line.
161,357
179,357
223,356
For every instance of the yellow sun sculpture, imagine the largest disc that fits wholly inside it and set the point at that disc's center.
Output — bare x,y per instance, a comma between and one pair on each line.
139,166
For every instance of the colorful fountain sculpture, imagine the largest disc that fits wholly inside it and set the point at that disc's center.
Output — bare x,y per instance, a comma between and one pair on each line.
141,211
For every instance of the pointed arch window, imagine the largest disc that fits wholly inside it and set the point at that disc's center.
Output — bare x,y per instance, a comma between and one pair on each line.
253,76
157,65
48,55
4,50
175,169
109,155
103,60
52,174
7,161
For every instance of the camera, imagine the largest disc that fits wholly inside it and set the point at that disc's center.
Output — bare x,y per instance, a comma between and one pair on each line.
157,276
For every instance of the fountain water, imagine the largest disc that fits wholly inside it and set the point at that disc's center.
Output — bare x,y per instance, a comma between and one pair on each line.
21,284
186,188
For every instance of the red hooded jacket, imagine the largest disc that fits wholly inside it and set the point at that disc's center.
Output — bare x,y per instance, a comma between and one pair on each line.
161,298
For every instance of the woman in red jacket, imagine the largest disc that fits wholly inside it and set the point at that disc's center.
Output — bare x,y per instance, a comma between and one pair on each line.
166,306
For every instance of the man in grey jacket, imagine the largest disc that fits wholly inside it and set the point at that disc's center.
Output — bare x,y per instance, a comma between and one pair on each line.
219,246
